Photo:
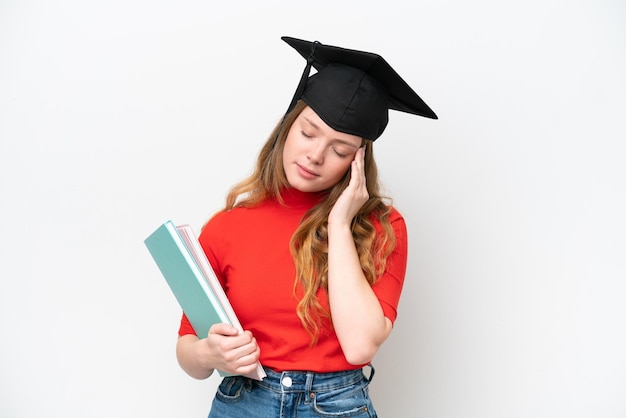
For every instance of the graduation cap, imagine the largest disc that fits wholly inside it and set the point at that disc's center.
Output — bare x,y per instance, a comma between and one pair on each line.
352,91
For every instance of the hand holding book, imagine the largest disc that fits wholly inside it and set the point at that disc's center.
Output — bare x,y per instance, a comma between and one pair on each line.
186,269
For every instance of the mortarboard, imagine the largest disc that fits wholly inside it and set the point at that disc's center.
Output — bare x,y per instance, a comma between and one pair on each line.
352,90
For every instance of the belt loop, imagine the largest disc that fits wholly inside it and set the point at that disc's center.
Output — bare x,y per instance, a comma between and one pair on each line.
371,373
308,393
309,381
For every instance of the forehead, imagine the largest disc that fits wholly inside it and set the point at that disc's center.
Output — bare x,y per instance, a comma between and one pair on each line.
312,119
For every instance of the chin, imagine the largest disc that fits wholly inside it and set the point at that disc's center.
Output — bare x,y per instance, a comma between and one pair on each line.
305,187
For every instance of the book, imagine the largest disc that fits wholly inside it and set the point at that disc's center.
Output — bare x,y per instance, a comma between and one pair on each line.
188,273
193,245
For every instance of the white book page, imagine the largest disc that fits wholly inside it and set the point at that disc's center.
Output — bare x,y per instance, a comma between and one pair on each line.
187,234
192,243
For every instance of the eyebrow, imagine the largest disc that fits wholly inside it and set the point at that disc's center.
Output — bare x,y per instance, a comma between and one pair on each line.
342,141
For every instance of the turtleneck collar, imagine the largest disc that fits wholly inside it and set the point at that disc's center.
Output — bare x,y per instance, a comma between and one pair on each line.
296,199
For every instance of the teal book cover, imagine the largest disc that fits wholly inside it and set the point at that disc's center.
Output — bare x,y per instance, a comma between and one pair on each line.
185,279
189,284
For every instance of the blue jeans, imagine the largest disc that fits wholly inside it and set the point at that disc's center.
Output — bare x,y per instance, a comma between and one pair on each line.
295,394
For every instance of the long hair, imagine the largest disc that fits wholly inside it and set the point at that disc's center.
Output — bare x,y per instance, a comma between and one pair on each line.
309,243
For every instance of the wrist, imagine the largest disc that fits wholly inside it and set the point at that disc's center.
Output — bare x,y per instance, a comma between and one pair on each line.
339,226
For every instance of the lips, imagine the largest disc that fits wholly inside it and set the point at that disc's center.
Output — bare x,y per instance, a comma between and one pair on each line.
306,173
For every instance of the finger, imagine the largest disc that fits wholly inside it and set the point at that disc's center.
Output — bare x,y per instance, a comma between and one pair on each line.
361,154
355,181
362,181
358,173
248,364
237,344
242,356
359,159
354,166
223,329
247,351
234,354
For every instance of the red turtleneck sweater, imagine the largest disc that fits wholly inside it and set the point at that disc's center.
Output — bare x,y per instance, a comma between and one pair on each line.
249,250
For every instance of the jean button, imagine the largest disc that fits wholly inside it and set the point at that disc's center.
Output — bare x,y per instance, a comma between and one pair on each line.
287,382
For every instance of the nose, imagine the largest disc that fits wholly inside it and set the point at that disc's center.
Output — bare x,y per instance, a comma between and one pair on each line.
316,153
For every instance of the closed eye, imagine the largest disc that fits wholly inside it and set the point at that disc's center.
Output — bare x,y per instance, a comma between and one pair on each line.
339,154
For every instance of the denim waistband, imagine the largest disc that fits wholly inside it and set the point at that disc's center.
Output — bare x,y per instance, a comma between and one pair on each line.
302,381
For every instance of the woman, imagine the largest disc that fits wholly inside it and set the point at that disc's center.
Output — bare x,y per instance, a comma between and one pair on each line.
310,255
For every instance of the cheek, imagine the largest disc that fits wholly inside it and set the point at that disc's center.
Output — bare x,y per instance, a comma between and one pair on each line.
340,169
291,147
287,151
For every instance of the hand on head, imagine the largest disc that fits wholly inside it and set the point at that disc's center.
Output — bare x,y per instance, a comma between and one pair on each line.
354,196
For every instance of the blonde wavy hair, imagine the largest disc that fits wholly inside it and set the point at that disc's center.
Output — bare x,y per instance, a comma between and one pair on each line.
309,243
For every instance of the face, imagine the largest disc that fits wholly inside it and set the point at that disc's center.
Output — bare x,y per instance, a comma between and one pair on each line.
316,156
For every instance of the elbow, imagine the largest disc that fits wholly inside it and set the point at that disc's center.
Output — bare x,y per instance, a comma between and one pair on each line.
188,361
199,375
360,355
362,349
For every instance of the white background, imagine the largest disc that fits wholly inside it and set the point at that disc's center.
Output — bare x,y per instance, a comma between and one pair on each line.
118,115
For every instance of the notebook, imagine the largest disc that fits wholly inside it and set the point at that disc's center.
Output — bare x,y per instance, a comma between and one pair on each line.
193,282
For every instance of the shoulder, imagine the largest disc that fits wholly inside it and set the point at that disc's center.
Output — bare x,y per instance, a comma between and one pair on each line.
227,219
393,216
394,219
224,228
238,218
397,222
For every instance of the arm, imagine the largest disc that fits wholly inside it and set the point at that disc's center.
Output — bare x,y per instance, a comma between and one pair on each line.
223,349
358,318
